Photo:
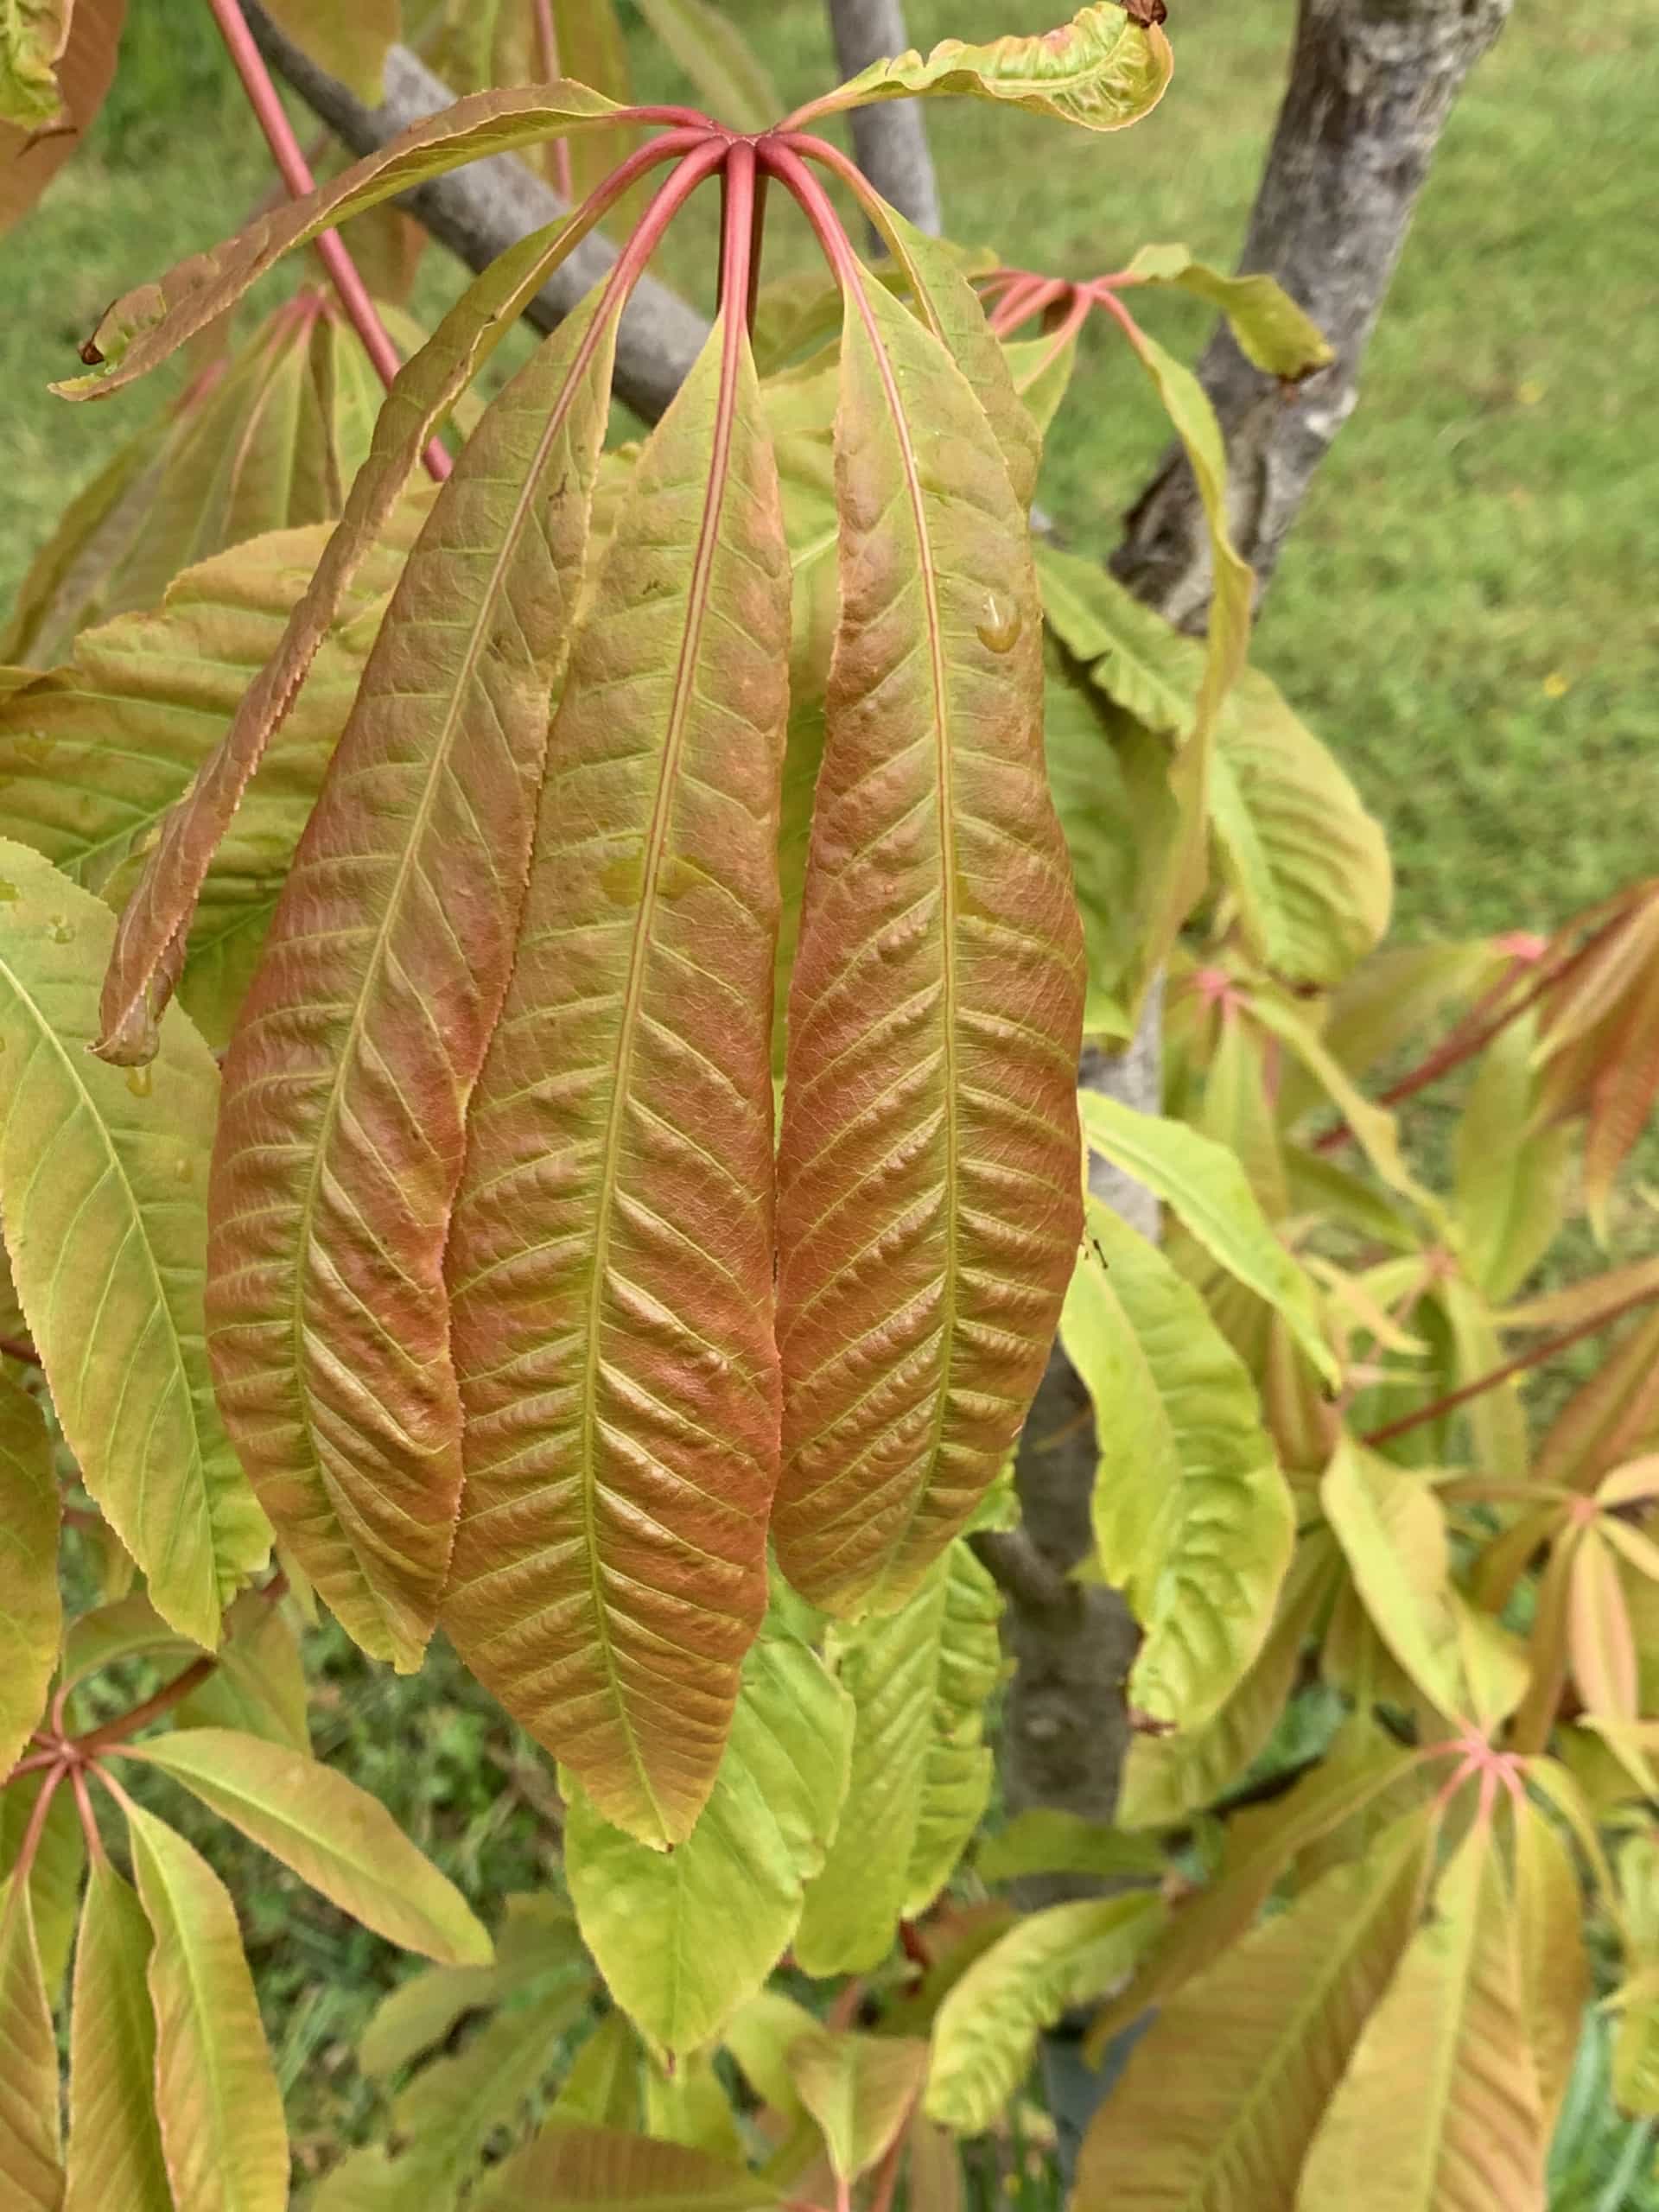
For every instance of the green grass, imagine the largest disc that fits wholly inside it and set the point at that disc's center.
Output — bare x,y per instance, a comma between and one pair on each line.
1465,611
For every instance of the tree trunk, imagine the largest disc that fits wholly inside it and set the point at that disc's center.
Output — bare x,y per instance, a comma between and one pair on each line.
890,139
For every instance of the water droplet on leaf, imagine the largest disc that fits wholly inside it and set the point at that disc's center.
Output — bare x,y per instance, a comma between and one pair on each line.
1000,628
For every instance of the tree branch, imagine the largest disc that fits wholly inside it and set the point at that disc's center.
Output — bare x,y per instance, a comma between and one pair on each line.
890,138
1372,82
481,211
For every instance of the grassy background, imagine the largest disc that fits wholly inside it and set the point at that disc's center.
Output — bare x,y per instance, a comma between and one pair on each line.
1464,611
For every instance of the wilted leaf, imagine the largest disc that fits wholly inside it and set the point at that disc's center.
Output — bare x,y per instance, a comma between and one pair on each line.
351,43
221,2113
1103,70
1440,2111
568,2168
921,1770
343,1128
142,328
1224,2093
107,1251
927,1174
1308,865
31,2146
115,2142
1270,328
987,2029
611,1257
683,1936
31,1612
1192,1514
334,1836
80,74
1206,1188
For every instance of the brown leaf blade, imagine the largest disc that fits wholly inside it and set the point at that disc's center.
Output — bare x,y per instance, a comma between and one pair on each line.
150,944
610,1265
223,2133
83,72
342,1131
929,1205
115,2141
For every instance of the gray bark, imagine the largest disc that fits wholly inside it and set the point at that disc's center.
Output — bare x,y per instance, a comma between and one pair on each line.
481,210
890,139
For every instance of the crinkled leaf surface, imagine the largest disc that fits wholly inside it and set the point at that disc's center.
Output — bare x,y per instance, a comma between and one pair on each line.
142,328
1137,657
223,2132
82,73
921,1772
1440,2109
1225,2092
150,946
107,1250
683,1936
31,1612
986,2031
1102,70
32,36
1271,329
31,2146
334,1836
343,1127
1190,1512
115,2141
928,1185
611,1259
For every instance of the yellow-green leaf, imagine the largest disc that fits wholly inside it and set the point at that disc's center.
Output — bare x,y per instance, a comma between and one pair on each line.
1511,1176
32,36
115,2142
1192,1514
1137,657
333,1834
59,1863
223,2133
1044,1840
722,64
107,1249
1271,329
683,1936
81,68
861,2090
986,2028
31,1612
1392,1533
30,2146
1207,1189
1556,1985
452,2107
1440,2111
921,1770
1224,2093
569,2169
1103,70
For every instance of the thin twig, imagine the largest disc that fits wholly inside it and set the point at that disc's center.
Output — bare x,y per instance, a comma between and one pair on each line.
126,1725
290,160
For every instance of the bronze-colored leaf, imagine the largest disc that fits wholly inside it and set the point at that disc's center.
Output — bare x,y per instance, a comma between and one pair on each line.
610,1263
929,1202
31,156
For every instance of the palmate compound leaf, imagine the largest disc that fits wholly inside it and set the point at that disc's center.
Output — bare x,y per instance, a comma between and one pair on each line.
1441,2110
145,326
610,1263
31,1612
1103,70
81,71
269,438
683,1937
985,2035
928,1174
1223,2095
223,2134
921,1773
149,948
31,2168
103,1184
334,1836
1192,1514
343,1127
115,2142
